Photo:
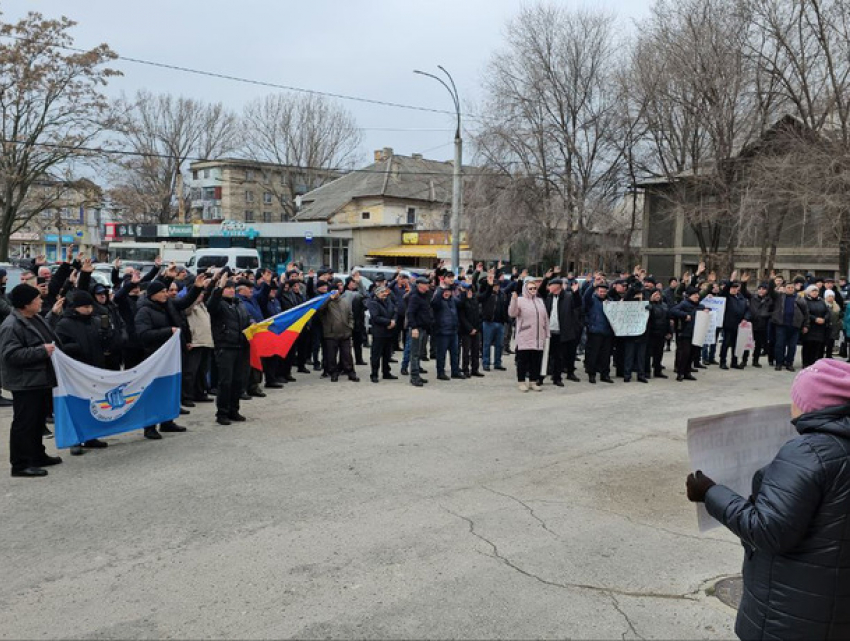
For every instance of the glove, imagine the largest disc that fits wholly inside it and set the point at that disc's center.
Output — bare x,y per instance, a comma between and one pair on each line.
697,485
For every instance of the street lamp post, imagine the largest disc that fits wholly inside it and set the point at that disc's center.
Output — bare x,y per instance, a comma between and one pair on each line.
457,178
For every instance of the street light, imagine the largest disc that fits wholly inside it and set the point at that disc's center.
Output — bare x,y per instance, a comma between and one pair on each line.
457,181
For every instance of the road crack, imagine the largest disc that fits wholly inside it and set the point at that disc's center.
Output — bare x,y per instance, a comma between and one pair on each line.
528,508
626,617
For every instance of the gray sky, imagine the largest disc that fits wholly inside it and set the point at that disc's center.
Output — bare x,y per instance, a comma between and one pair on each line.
353,47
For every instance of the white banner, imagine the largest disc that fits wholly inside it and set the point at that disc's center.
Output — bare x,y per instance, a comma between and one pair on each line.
717,306
701,325
627,318
746,341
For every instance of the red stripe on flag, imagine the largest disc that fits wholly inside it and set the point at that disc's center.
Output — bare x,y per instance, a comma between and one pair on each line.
267,344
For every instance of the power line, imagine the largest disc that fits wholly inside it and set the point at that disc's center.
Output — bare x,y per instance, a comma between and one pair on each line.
260,83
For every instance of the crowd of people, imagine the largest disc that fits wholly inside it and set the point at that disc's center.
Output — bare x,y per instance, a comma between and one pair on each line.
464,324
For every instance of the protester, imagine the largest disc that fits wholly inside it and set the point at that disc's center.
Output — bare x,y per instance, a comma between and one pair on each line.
836,316
5,310
793,525
761,310
818,330
337,318
470,327
790,318
563,306
685,313
600,335
494,315
446,325
382,314
532,331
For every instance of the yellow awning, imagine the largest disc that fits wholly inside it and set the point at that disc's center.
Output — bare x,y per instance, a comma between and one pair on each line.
413,251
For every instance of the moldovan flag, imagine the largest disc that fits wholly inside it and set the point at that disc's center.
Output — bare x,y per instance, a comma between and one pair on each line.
89,402
276,335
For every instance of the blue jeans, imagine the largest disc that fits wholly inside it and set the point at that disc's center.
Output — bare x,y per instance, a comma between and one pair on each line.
786,345
447,343
405,358
494,335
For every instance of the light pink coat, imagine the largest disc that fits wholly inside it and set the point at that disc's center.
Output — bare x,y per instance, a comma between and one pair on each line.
532,321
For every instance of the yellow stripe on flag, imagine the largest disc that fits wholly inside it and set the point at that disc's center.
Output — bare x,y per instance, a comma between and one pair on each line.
256,328
298,325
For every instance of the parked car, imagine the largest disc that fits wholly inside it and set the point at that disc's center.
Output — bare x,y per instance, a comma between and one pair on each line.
236,258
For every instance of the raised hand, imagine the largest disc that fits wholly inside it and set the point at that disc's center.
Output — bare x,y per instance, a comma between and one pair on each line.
87,266
158,261
701,268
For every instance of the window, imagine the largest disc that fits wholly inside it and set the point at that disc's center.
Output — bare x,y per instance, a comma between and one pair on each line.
267,216
411,215
267,177
249,174
267,198
366,215
249,196
194,174
209,193
206,173
249,215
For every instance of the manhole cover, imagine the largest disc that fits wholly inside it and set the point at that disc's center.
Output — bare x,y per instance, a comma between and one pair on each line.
730,590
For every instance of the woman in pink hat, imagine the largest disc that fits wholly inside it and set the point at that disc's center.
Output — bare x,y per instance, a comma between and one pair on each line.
795,528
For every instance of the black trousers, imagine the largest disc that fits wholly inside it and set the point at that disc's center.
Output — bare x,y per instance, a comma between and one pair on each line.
634,355
304,345
381,353
654,354
358,339
233,367
269,369
597,355
812,352
760,337
338,356
684,355
569,349
29,416
528,364
192,361
730,340
470,350
555,365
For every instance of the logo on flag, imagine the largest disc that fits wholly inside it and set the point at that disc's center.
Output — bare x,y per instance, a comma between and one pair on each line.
115,404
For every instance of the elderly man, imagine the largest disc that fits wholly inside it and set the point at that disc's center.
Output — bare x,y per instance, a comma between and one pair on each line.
563,305
337,318
382,313
26,345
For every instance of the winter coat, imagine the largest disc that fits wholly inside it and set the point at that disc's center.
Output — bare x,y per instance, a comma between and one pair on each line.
494,305
81,338
680,312
446,322
228,319
595,318
338,318
154,322
253,307
836,316
737,308
532,321
569,314
817,309
801,310
381,314
761,309
658,323
200,324
469,314
794,533
668,295
419,312
24,361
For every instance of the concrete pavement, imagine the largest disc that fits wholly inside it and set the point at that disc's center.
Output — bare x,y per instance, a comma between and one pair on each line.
461,510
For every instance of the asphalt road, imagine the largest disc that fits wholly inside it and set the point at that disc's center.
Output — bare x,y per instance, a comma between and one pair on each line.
354,510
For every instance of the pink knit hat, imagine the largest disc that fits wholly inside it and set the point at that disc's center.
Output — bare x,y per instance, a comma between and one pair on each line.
824,384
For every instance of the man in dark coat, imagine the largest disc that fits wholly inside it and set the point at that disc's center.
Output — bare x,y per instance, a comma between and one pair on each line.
563,305
794,525
600,335
494,316
383,316
737,310
446,323
761,309
5,310
469,331
26,344
420,324
790,316
685,316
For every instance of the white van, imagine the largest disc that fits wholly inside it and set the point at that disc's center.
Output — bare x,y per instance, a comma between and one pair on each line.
236,258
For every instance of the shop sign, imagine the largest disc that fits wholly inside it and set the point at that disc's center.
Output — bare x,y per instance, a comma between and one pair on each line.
180,230
54,238
25,236
235,229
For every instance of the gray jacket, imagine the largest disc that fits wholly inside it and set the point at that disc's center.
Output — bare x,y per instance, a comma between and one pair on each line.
23,359
795,530
338,317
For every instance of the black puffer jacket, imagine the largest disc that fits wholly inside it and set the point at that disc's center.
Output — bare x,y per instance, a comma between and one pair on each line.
817,309
81,338
419,312
154,322
468,314
795,534
761,309
229,318
658,323
23,359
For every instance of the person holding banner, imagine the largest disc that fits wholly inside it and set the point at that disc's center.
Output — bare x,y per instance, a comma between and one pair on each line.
737,310
26,344
794,524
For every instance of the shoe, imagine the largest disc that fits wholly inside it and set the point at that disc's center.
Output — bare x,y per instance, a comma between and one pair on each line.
459,376
290,378
591,378
499,368
422,370
778,368
360,363
757,365
523,387
213,391
424,359
508,350
393,360
790,368
690,378
680,378
416,382
47,461
204,399
660,375
404,371
713,361
695,370
187,403
334,378
5,402
699,366
222,420
30,472
324,375
46,433
353,378
389,377
236,416
274,386
374,378
742,366
95,444
705,363
558,383
424,380
317,366
76,450
303,370
642,379
770,362
606,379
443,377
152,434
478,374
183,412
245,397
627,379
536,387
172,427
573,378
257,392
486,368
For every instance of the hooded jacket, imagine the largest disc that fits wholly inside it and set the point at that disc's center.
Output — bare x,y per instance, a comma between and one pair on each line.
794,532
81,338
532,321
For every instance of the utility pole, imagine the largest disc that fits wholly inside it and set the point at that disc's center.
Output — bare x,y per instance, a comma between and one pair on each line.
457,177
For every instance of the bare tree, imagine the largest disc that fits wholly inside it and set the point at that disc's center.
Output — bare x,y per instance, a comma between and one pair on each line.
52,109
308,135
164,132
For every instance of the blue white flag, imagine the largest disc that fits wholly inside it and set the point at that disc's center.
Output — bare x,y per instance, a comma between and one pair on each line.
89,402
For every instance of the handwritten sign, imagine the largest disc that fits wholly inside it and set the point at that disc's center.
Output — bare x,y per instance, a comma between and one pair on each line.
627,318
746,341
701,324
717,306
730,448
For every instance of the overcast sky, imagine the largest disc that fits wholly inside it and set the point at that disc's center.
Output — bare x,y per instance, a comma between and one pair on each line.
353,47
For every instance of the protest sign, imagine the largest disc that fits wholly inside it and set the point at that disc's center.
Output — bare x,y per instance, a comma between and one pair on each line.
717,306
627,318
746,341
730,448
701,324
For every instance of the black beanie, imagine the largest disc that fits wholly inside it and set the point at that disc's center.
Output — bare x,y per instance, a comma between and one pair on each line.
155,287
22,295
80,299
690,291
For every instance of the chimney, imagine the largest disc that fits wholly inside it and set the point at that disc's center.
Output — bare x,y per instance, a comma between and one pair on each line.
383,154
416,156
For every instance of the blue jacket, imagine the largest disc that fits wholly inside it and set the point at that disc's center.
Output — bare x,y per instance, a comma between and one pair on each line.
252,306
595,318
446,321
680,312
794,529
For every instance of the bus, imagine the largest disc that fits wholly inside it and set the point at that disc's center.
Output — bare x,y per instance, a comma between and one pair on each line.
142,252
